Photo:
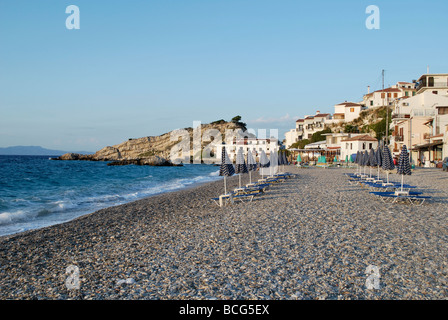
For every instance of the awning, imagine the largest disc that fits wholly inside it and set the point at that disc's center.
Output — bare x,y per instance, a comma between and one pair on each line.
427,145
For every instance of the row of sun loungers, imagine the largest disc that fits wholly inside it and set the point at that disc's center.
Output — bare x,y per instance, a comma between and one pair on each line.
392,192
250,191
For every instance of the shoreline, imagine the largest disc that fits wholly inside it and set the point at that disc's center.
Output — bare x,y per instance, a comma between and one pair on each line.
311,237
88,212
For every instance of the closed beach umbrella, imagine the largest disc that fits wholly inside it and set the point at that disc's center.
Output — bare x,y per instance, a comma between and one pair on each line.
285,160
251,165
226,169
365,160
372,160
299,158
240,166
379,159
273,162
264,162
403,166
388,163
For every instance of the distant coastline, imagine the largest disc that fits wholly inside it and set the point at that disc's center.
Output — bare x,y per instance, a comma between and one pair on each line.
34,151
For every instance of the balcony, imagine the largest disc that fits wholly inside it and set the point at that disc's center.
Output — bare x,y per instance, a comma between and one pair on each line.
397,116
430,84
398,138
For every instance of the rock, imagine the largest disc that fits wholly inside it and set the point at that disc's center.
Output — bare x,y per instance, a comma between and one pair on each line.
74,156
150,161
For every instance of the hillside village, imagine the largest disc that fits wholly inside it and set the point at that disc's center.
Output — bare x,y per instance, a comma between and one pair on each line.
417,113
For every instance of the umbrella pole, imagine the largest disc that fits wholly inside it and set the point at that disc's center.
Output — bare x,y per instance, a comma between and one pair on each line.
225,186
250,177
402,182
240,179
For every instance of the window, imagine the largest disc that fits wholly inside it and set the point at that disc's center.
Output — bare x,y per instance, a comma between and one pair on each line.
431,82
351,146
363,146
406,93
383,95
435,92
395,95
370,146
443,110
413,93
371,102
389,95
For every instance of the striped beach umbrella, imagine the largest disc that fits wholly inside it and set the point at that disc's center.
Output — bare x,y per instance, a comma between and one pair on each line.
251,165
264,162
388,162
365,160
226,168
379,159
285,159
403,166
240,165
372,161
273,162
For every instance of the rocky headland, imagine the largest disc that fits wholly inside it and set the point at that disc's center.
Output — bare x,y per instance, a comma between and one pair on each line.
152,150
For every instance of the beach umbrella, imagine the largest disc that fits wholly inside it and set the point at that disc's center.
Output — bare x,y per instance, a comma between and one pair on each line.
264,162
226,169
285,160
387,163
403,166
379,159
240,166
372,160
365,160
335,159
346,158
299,158
273,162
251,165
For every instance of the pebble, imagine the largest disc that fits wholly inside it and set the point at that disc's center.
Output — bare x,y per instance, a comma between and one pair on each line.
311,237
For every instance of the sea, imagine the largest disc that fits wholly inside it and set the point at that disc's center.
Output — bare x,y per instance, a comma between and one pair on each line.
36,191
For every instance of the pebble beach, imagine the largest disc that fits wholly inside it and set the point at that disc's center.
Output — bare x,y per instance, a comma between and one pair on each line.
311,237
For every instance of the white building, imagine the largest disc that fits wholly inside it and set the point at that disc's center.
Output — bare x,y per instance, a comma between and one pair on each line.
305,128
435,83
347,111
253,145
350,146
387,96
419,122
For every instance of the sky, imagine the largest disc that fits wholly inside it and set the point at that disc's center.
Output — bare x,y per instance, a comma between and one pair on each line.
145,67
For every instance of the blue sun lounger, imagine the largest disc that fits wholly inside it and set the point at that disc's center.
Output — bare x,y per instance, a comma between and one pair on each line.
413,197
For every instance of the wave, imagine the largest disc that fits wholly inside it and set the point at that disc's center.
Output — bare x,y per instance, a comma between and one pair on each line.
48,202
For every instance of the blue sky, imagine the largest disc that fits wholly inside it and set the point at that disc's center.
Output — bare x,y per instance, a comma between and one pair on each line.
139,68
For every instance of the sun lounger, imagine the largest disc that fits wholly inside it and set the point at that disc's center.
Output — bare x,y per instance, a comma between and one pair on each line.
230,198
253,189
413,198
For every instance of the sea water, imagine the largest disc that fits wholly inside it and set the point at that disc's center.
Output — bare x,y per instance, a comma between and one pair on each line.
36,192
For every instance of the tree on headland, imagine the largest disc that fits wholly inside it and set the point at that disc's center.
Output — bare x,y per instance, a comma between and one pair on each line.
237,120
